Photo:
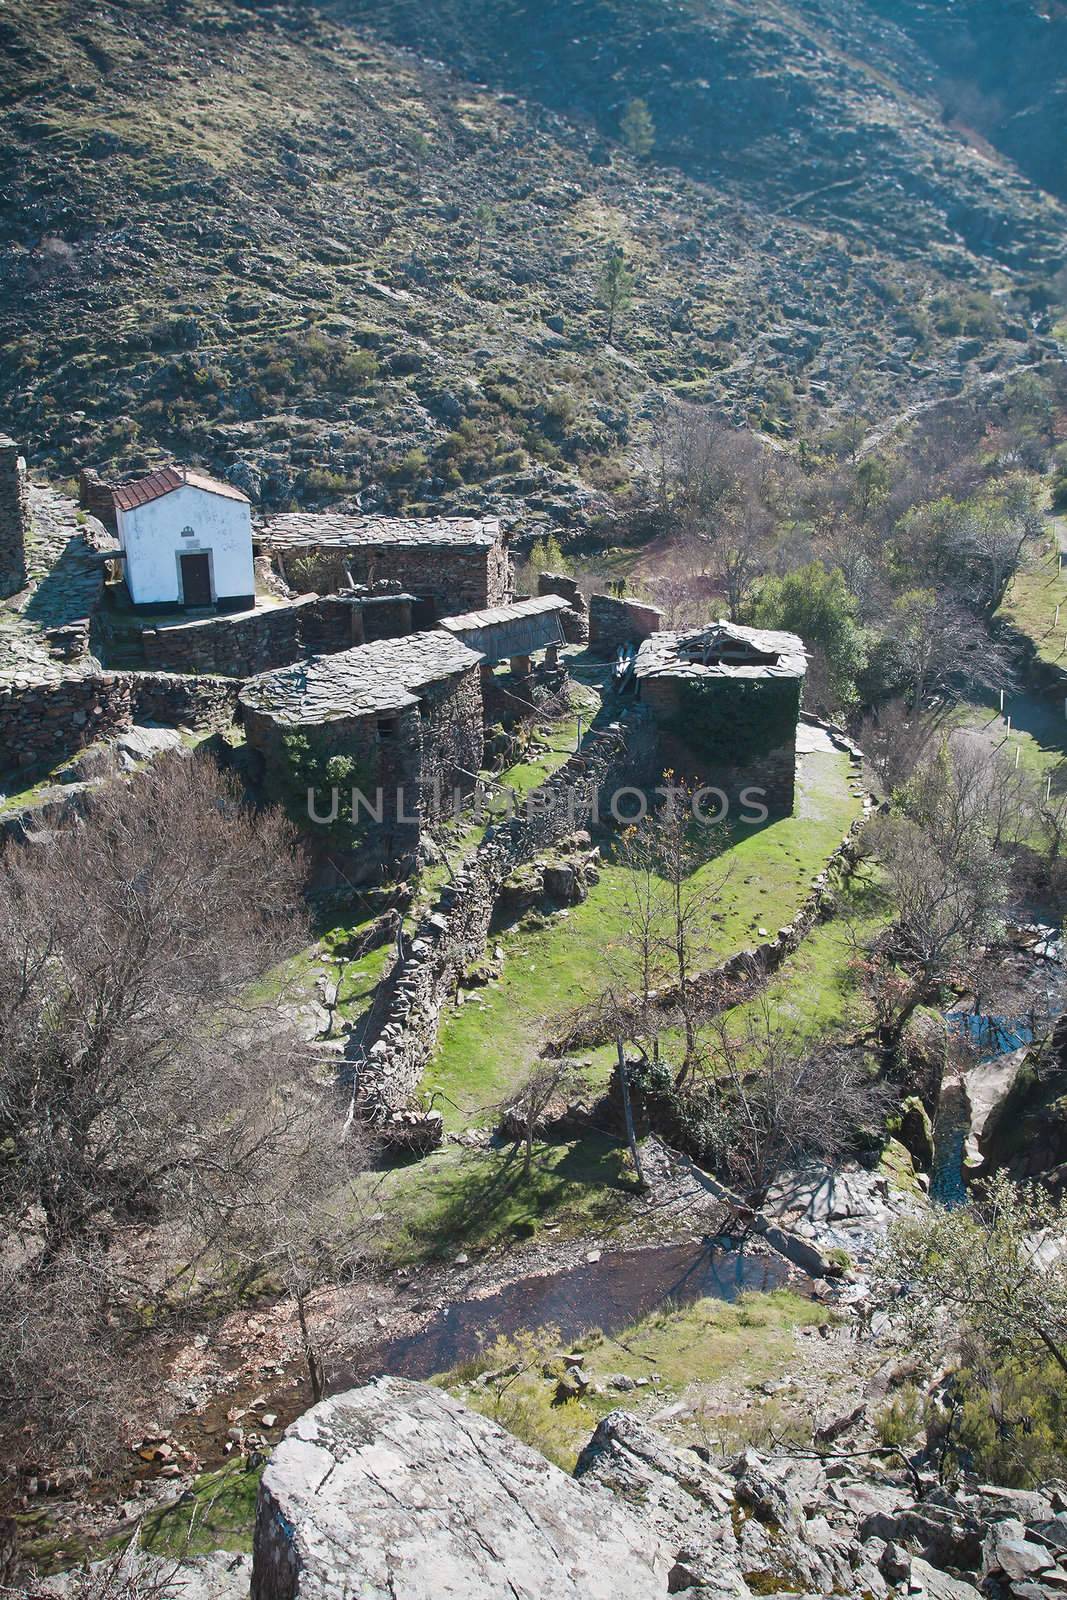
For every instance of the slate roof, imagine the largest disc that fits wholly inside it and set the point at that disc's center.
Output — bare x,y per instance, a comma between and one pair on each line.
302,529
722,650
514,612
381,677
513,630
128,496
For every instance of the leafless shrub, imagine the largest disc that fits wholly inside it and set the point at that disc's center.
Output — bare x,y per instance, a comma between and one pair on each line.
771,1102
163,1126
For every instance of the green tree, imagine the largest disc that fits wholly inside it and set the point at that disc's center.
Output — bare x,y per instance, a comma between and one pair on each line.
616,287
816,603
637,129
547,556
871,482
418,146
989,1268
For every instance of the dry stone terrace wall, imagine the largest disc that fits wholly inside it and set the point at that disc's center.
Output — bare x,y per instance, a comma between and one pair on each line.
42,724
242,646
453,936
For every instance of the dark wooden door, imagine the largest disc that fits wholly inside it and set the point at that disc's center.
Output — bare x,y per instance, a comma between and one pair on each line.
196,580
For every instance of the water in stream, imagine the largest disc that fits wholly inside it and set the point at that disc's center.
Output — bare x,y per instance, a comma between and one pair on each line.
610,1293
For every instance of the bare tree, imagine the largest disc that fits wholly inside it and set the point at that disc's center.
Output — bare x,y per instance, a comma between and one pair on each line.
128,1033
161,1122
769,1101
676,845
128,1575
938,646
948,882
523,1111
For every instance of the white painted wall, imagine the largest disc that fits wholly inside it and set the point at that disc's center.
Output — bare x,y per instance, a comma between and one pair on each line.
151,536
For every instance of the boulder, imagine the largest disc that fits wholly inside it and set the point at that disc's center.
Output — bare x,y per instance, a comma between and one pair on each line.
395,1491
928,1581
1007,1550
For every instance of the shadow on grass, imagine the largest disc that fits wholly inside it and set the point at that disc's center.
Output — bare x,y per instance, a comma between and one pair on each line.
487,1198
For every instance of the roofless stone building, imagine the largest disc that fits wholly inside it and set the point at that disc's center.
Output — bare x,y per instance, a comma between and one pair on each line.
449,564
726,701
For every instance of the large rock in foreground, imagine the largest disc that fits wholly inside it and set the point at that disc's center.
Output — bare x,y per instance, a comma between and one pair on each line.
397,1492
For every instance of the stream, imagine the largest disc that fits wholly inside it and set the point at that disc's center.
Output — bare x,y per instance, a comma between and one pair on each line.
610,1293
985,1037
613,1291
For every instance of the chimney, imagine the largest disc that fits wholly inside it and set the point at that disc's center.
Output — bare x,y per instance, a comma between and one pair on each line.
14,518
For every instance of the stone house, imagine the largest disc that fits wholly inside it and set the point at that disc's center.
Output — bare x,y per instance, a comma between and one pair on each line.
449,564
726,703
402,717
186,541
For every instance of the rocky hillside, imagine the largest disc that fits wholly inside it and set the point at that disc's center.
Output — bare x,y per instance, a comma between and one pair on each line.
355,252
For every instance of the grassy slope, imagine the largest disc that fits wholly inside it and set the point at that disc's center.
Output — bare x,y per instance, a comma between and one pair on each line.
487,1043
460,1199
1031,602
752,1339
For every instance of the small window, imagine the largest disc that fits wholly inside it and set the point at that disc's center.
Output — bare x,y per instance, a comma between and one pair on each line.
387,727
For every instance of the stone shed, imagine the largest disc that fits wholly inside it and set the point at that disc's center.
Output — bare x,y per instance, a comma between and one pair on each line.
450,564
726,703
514,632
403,715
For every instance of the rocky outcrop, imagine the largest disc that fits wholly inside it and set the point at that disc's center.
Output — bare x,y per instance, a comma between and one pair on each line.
396,1492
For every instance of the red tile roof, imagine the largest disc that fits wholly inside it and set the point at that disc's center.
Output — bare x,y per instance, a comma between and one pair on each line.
128,496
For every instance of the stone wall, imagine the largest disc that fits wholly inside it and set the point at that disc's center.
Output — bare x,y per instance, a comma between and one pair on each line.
97,497
729,733
576,621
453,936
14,517
235,646
43,724
276,636
613,622
182,700
452,740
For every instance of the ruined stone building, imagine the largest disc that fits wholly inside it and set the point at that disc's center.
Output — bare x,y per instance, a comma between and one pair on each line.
726,703
449,564
403,715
